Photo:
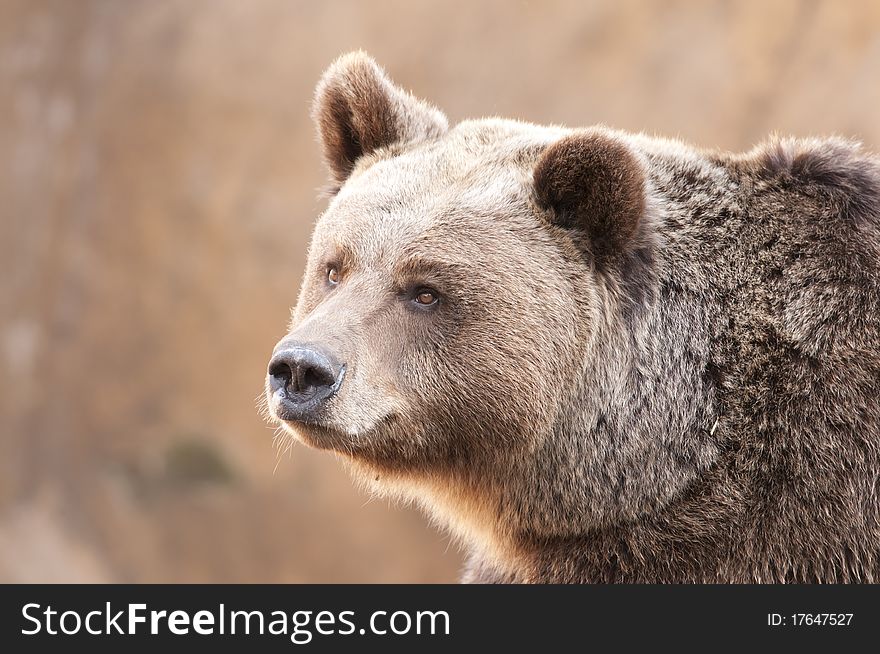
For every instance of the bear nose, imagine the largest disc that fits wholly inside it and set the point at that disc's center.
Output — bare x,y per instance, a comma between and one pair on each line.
301,378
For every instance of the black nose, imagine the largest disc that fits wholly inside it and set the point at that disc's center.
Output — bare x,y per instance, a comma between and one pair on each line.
301,378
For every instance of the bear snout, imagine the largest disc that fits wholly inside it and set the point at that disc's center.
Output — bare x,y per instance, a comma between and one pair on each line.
301,378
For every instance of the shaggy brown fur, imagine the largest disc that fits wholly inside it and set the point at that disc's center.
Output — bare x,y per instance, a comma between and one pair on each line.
646,362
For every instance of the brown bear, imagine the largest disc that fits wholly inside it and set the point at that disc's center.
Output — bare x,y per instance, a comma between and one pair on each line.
595,356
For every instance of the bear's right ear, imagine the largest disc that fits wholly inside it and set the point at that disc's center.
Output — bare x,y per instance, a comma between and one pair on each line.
358,110
592,182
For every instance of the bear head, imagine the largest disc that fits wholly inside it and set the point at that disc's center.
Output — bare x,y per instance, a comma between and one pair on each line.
452,296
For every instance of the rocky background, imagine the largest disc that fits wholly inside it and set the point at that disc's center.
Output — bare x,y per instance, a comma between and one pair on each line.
158,176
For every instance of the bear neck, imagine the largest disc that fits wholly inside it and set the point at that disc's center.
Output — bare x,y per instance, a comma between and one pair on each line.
633,434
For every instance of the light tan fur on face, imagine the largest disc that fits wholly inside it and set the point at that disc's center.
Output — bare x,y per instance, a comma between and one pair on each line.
435,203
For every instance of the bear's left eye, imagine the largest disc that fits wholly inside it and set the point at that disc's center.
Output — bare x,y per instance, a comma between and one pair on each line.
333,275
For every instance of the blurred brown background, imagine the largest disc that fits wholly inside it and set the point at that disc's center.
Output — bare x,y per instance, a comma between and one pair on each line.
157,188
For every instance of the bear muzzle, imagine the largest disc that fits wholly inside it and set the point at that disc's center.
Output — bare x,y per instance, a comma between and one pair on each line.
301,379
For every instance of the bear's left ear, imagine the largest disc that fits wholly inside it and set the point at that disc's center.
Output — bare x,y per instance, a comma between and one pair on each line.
358,110
593,182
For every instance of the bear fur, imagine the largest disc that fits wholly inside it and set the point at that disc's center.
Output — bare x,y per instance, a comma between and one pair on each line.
646,363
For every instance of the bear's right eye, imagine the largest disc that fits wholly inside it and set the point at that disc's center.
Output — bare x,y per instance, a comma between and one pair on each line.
333,275
425,298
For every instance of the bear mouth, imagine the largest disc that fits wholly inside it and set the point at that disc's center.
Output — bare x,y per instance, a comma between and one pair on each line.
318,436
323,436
